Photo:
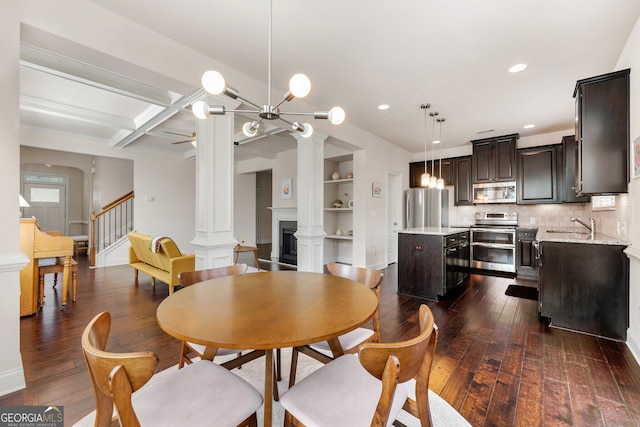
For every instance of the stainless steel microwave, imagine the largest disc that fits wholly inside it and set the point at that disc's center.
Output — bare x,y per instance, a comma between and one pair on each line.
494,192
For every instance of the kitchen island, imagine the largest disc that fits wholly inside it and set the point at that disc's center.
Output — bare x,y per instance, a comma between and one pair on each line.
432,260
584,282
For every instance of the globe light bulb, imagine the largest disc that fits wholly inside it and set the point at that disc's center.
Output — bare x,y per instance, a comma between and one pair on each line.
299,85
308,130
213,82
336,115
200,109
250,128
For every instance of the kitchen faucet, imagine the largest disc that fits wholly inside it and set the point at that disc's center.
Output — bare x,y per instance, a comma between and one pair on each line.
591,226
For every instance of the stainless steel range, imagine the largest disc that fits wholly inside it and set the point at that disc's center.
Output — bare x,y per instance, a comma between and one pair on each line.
493,241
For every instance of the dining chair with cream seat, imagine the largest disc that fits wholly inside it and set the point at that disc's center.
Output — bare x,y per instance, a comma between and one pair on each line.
189,278
351,340
203,393
367,388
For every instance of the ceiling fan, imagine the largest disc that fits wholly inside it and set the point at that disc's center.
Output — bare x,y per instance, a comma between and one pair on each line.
192,137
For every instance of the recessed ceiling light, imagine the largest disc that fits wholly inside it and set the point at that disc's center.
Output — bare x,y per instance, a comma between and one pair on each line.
517,68
529,126
383,107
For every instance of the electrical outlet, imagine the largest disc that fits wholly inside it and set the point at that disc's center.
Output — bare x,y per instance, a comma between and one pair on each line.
532,220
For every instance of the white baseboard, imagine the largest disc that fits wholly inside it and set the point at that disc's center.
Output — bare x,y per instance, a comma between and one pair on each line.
634,346
12,380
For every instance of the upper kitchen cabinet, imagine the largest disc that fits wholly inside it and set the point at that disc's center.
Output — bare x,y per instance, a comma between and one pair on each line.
570,150
445,171
494,159
416,169
463,181
540,174
602,133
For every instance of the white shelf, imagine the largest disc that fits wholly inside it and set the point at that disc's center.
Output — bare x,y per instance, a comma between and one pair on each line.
339,209
336,237
339,181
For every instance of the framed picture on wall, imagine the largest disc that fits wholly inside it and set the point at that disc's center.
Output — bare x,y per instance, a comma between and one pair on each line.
376,189
286,189
636,158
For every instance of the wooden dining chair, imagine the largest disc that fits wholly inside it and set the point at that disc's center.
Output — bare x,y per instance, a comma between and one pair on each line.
203,393
187,348
191,277
351,340
367,388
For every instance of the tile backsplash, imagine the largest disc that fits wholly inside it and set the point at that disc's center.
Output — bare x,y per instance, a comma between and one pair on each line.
613,223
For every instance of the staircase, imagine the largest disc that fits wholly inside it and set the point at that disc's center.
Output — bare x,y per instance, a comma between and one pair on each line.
110,226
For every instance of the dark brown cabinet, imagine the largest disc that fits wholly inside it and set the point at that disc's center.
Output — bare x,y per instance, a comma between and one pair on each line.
585,287
445,172
452,173
431,265
463,181
602,129
540,172
570,157
494,159
526,260
416,169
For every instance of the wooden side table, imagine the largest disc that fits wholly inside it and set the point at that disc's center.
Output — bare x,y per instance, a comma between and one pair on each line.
240,249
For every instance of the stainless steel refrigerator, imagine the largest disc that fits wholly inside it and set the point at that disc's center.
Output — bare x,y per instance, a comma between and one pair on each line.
426,207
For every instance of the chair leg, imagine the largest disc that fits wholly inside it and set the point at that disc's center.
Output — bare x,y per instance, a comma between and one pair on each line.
183,355
278,365
294,366
276,393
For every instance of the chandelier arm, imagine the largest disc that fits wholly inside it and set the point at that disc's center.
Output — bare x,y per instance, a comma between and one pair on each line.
288,97
246,101
293,113
242,111
286,121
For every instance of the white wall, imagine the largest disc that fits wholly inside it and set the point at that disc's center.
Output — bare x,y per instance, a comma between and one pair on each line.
11,258
630,58
244,208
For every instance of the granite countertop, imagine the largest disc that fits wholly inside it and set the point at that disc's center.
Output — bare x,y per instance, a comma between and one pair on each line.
434,231
570,235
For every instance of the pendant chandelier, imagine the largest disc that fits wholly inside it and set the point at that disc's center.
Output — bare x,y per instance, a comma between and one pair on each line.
299,87
424,178
433,181
440,182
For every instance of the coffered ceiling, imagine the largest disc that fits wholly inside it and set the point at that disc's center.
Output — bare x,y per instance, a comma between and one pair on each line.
358,54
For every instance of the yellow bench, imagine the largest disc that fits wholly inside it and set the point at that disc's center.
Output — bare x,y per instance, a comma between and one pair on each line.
165,264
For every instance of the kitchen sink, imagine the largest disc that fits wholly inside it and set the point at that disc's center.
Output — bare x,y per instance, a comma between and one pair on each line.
568,231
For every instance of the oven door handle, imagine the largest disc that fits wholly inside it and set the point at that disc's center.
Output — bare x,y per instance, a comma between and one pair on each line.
494,230
493,245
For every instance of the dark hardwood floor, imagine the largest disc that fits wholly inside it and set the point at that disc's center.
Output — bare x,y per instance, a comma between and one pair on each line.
496,361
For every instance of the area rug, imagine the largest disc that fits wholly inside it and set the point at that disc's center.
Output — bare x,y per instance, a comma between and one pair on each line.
526,292
442,413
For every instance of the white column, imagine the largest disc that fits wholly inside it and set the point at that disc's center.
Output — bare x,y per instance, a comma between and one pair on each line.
214,239
310,194
12,260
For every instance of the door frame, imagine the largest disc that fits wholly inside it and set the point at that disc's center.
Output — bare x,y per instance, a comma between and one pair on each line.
394,214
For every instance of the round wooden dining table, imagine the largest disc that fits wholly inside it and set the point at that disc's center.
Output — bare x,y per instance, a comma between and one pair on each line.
267,311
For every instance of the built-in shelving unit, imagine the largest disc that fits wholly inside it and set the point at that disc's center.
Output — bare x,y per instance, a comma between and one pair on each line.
338,247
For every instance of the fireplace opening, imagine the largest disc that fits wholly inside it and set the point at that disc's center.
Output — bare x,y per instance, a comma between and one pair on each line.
288,242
